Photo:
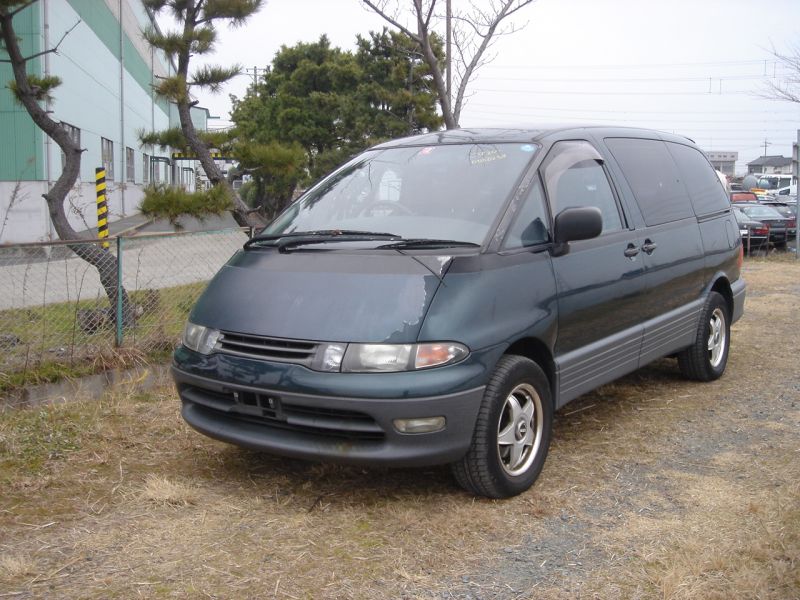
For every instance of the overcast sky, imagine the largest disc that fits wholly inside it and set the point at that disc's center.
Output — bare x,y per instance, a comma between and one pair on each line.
693,67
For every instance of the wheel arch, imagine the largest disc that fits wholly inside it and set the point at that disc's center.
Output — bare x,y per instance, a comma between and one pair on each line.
722,286
537,351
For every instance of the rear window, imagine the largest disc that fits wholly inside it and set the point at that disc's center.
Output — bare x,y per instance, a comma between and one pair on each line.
704,187
654,179
761,212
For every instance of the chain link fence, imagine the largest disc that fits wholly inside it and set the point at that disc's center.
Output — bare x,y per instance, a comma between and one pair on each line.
57,309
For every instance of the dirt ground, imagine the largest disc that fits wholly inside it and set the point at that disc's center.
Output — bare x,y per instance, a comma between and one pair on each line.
654,488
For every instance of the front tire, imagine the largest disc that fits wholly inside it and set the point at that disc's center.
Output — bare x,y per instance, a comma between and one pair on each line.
705,360
512,433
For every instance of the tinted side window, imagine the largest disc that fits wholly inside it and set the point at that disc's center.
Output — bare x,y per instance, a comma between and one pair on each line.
654,179
530,224
574,177
701,181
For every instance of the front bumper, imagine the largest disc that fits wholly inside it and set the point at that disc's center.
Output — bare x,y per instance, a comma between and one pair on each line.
344,429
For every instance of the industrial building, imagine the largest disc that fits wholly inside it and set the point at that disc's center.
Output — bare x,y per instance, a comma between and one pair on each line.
724,162
105,101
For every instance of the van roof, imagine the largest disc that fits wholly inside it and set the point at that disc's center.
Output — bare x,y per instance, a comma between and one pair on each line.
485,135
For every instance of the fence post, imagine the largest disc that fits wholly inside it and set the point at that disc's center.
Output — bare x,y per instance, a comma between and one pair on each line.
102,206
119,292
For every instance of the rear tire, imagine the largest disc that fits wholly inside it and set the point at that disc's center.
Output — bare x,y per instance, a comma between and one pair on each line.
706,358
512,432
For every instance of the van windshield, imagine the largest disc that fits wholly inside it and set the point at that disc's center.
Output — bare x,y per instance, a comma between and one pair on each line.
451,192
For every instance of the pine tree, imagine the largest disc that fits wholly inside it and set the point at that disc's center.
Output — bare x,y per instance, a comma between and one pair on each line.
196,36
335,103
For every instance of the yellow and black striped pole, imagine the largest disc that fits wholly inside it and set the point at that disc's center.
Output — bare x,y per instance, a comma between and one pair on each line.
102,207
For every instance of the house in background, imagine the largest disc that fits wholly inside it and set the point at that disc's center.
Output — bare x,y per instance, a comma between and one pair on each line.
779,165
105,100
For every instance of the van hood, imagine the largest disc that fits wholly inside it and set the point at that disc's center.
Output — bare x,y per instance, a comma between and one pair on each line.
333,296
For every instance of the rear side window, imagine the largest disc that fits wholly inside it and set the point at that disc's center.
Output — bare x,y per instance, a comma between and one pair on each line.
650,171
574,177
705,190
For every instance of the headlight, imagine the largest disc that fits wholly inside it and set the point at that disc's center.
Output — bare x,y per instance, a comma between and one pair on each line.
200,339
390,358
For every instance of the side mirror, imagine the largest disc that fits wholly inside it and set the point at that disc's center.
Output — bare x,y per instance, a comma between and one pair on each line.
573,224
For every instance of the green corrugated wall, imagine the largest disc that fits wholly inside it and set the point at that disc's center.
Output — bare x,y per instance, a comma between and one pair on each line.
21,143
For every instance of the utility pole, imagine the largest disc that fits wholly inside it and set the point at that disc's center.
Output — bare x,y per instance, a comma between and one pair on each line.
766,143
449,41
411,94
255,72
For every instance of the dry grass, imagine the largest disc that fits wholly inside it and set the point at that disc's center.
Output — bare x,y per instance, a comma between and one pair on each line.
655,488
161,491
15,566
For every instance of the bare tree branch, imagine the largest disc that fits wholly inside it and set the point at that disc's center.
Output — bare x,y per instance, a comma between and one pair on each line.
381,12
788,89
478,27
54,49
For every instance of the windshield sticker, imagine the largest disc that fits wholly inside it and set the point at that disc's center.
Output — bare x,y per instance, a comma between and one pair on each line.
527,148
427,150
481,156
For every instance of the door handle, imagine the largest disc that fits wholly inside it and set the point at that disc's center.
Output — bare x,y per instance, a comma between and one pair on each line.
631,251
649,246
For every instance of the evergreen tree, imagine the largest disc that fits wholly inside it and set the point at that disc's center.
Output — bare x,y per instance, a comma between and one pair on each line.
195,37
335,103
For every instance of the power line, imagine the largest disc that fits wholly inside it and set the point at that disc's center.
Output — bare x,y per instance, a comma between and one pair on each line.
588,113
621,93
629,79
766,63
677,112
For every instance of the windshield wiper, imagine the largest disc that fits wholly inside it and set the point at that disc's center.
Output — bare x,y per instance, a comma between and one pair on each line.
427,243
296,238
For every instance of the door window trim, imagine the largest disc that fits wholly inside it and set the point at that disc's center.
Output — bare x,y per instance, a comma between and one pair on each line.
625,224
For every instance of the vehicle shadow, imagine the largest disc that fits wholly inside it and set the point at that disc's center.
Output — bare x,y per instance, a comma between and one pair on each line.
312,483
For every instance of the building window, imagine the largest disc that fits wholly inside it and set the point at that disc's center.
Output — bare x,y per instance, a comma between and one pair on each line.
156,171
145,169
130,166
107,150
75,134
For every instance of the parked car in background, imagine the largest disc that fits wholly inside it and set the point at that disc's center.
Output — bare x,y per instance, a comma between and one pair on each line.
755,234
789,191
787,210
772,183
743,197
778,224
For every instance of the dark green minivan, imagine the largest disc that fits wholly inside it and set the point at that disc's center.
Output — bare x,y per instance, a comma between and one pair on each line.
438,297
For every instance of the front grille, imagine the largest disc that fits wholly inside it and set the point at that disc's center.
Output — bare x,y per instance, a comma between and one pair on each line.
267,348
271,411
